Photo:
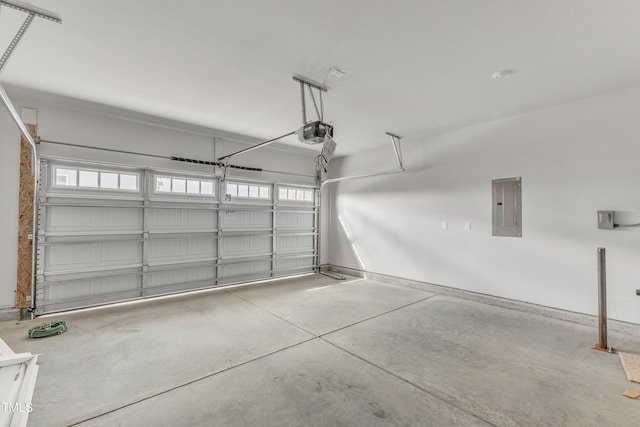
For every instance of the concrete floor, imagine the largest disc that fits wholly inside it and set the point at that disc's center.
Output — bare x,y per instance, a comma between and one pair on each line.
313,351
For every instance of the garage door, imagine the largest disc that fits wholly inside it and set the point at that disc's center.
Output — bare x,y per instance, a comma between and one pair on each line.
108,233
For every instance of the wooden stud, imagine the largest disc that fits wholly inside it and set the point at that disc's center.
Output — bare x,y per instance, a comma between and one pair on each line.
25,223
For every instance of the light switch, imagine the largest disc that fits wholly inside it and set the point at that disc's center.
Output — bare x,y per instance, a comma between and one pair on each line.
467,226
444,225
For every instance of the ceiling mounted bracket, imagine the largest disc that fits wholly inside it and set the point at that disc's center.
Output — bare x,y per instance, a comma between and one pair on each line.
314,84
32,12
16,40
310,84
395,140
27,8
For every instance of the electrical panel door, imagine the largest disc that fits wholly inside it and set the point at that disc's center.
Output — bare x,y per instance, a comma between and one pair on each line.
507,207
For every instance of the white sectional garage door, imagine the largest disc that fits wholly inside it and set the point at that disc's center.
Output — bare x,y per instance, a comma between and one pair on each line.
109,233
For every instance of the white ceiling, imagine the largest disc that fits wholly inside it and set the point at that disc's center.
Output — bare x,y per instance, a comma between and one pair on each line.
414,67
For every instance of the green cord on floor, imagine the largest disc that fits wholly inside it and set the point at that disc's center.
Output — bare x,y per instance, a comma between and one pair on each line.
48,329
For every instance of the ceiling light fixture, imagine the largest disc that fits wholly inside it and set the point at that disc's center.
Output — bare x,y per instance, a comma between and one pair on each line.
504,73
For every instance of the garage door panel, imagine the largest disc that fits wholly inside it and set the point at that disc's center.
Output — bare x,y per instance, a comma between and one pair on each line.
66,217
183,249
179,279
202,217
168,217
88,291
121,218
163,249
287,264
294,243
246,220
77,256
255,268
238,246
295,220
201,246
184,219
117,252
74,255
61,219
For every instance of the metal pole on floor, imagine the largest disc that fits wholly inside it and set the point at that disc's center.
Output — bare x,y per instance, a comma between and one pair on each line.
602,303
602,298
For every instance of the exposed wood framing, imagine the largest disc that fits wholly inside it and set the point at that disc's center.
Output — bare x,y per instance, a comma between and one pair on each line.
25,223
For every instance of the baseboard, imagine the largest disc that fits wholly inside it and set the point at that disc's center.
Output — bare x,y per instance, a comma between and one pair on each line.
9,314
540,310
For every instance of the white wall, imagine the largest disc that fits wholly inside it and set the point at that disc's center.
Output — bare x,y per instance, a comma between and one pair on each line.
80,123
10,179
574,159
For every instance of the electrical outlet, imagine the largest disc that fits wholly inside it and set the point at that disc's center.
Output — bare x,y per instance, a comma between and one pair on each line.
605,220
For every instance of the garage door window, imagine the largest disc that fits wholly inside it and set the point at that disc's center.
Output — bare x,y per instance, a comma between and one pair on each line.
98,179
181,185
247,191
295,194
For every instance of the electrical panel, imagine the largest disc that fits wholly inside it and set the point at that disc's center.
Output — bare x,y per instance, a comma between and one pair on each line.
507,207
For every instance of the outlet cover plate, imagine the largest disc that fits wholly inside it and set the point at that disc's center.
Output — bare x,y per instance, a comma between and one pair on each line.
605,220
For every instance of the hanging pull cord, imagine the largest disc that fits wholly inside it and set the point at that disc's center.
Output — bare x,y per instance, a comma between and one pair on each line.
224,170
